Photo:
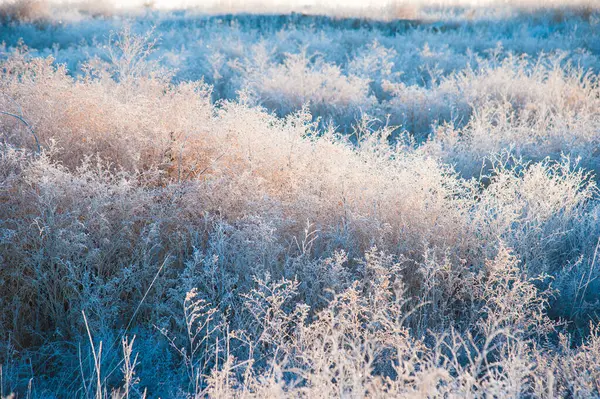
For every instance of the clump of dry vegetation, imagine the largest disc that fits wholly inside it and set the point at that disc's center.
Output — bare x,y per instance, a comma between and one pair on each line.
277,220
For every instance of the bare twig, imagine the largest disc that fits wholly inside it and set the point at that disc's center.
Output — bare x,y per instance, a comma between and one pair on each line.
37,142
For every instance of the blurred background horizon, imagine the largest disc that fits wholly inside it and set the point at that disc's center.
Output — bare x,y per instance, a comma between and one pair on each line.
383,9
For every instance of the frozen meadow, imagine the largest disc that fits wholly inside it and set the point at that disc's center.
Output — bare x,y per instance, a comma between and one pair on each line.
252,200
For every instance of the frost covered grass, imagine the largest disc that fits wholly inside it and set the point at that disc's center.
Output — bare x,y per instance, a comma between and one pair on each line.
299,205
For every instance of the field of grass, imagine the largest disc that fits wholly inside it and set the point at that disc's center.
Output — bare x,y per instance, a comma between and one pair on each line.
400,201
